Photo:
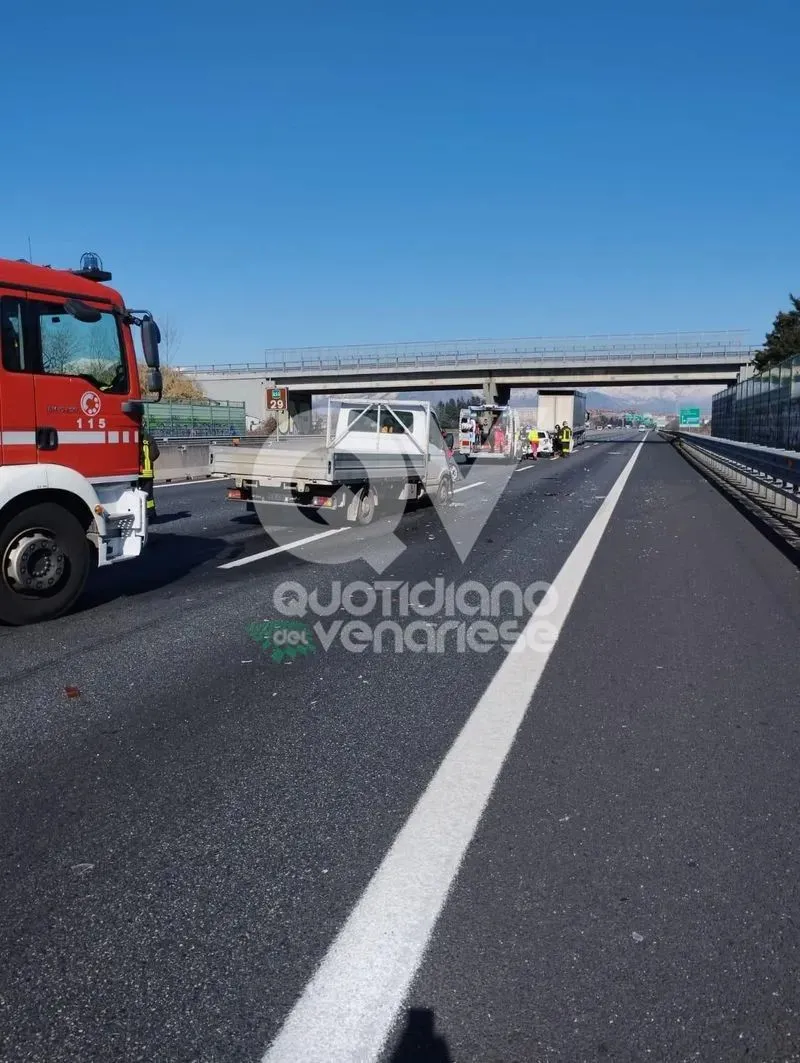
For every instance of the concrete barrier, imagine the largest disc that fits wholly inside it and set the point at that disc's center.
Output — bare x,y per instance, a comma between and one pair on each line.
182,461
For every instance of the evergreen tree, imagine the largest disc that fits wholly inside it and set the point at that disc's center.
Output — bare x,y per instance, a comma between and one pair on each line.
784,339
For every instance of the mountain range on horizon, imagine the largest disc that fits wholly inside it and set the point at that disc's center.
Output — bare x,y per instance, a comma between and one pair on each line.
654,399
665,399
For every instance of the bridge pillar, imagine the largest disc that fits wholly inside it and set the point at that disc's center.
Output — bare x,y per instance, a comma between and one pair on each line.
300,411
495,394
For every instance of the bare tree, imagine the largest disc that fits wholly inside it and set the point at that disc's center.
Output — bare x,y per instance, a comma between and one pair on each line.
102,364
267,427
177,386
58,351
170,339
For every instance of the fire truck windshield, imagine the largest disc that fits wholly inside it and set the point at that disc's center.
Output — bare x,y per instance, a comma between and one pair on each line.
91,350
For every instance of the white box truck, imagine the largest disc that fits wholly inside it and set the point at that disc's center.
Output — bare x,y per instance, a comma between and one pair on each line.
370,451
557,406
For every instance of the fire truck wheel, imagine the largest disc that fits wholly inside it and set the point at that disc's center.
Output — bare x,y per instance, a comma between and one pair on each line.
44,564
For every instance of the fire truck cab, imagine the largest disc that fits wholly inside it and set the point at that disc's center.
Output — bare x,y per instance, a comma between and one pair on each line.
70,424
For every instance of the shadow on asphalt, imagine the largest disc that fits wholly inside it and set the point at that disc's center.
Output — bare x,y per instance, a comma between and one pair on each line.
418,1041
168,518
167,559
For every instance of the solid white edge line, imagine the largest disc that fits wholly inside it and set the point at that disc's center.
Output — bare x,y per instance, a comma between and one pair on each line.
468,487
347,1010
280,549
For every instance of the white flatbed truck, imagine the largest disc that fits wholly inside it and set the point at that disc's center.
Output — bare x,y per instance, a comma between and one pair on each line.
370,452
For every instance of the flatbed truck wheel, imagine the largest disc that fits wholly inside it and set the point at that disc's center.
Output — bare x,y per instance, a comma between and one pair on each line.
365,512
44,564
444,492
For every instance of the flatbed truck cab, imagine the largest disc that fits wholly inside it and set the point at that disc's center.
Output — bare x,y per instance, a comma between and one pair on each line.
70,425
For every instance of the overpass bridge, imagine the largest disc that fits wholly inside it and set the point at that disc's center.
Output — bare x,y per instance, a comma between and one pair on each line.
493,366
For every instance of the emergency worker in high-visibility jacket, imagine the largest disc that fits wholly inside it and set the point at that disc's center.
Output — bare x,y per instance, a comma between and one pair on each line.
564,439
150,454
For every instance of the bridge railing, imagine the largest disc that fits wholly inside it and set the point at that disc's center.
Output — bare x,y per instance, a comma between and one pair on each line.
728,346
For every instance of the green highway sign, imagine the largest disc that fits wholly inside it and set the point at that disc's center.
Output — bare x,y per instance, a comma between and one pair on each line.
690,416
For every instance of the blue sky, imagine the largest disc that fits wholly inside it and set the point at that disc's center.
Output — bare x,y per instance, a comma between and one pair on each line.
290,175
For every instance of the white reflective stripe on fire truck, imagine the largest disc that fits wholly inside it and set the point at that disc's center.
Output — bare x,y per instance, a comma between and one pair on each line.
81,437
27,439
18,439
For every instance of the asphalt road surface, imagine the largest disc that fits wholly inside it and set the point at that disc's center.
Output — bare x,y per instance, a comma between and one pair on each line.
216,850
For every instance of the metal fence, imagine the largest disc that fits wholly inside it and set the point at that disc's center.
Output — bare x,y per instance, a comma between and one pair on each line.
190,420
764,409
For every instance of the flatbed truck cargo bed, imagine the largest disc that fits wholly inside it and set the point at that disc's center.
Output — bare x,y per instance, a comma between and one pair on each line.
371,450
312,462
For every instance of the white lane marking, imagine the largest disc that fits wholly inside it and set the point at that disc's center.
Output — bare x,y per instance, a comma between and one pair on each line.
526,468
188,483
281,549
478,483
347,1009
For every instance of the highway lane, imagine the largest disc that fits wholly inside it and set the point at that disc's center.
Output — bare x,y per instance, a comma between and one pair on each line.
632,892
198,531
185,838
182,839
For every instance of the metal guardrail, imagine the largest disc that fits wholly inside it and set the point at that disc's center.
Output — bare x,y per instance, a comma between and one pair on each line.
766,475
732,346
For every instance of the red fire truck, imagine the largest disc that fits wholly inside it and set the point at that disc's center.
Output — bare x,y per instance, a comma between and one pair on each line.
70,424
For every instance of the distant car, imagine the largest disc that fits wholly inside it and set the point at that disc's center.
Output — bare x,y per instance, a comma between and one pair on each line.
643,428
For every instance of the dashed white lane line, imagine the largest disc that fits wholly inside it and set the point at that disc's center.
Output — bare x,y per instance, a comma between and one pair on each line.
346,1011
310,539
281,549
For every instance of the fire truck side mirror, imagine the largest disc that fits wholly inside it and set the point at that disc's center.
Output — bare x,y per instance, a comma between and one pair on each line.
82,311
154,382
150,340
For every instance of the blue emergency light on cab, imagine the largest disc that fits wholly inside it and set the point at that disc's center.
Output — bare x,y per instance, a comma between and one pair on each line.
91,268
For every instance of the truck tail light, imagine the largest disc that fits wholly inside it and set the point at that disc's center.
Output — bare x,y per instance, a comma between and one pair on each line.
324,501
236,493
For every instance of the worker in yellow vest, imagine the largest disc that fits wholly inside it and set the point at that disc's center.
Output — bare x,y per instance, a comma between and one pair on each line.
150,454
565,439
533,442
